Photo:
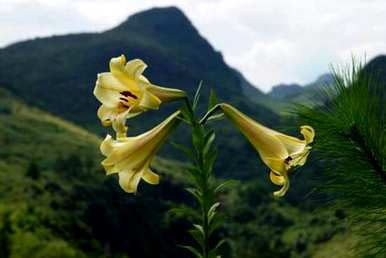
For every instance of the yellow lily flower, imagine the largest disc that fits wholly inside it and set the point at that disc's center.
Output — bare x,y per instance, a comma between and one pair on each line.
130,157
124,92
280,152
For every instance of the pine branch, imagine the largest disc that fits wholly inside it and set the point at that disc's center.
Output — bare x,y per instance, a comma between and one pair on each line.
351,144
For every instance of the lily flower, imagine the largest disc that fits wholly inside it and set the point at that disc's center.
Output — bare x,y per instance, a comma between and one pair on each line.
281,153
124,92
130,157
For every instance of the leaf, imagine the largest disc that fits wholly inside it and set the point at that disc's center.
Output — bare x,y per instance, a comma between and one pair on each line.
209,138
210,158
212,99
182,212
212,211
186,114
196,194
188,152
219,244
226,183
196,234
192,250
198,137
197,96
213,252
216,117
216,223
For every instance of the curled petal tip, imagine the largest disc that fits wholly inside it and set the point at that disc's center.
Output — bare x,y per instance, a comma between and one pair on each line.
308,132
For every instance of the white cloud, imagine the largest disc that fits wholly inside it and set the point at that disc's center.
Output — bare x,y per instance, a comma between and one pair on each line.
270,41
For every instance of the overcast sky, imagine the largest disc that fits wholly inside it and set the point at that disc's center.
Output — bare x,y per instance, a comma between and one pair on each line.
269,41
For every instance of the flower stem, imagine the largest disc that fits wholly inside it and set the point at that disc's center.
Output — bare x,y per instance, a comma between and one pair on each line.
204,193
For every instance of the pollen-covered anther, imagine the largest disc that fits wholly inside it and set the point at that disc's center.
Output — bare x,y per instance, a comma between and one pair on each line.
128,94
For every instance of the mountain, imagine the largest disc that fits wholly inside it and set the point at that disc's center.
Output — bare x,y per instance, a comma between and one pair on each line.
253,94
58,74
285,91
41,70
297,93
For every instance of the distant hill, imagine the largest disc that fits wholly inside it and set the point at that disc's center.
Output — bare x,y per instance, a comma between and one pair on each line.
295,93
285,91
58,74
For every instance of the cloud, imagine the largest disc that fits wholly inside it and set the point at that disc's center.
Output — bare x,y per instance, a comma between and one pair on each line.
270,41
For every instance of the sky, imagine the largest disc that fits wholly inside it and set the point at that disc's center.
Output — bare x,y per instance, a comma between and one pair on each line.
269,41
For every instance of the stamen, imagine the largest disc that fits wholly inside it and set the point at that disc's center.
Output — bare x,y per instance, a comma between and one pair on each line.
128,94
124,104
288,159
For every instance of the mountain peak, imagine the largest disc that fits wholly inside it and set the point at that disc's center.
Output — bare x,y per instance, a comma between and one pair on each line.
161,19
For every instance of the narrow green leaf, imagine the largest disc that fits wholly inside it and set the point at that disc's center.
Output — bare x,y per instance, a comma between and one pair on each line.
224,184
217,222
193,250
219,244
195,193
214,251
182,212
200,229
212,99
210,158
196,234
186,114
216,117
209,138
212,211
197,96
188,152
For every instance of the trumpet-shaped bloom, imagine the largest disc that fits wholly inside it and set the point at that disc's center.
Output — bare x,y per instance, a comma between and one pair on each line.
124,92
130,157
280,152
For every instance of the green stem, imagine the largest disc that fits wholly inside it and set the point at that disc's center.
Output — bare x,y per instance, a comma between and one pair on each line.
205,203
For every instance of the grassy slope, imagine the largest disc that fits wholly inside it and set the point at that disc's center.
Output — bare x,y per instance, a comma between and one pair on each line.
31,136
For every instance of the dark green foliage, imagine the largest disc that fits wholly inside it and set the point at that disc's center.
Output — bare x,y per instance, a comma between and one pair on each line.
33,171
5,236
351,144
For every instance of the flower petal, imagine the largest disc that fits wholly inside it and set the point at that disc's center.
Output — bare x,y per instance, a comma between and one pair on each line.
117,65
308,132
293,145
283,190
149,101
166,94
277,165
150,177
258,135
129,180
119,72
276,179
107,115
134,68
107,96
